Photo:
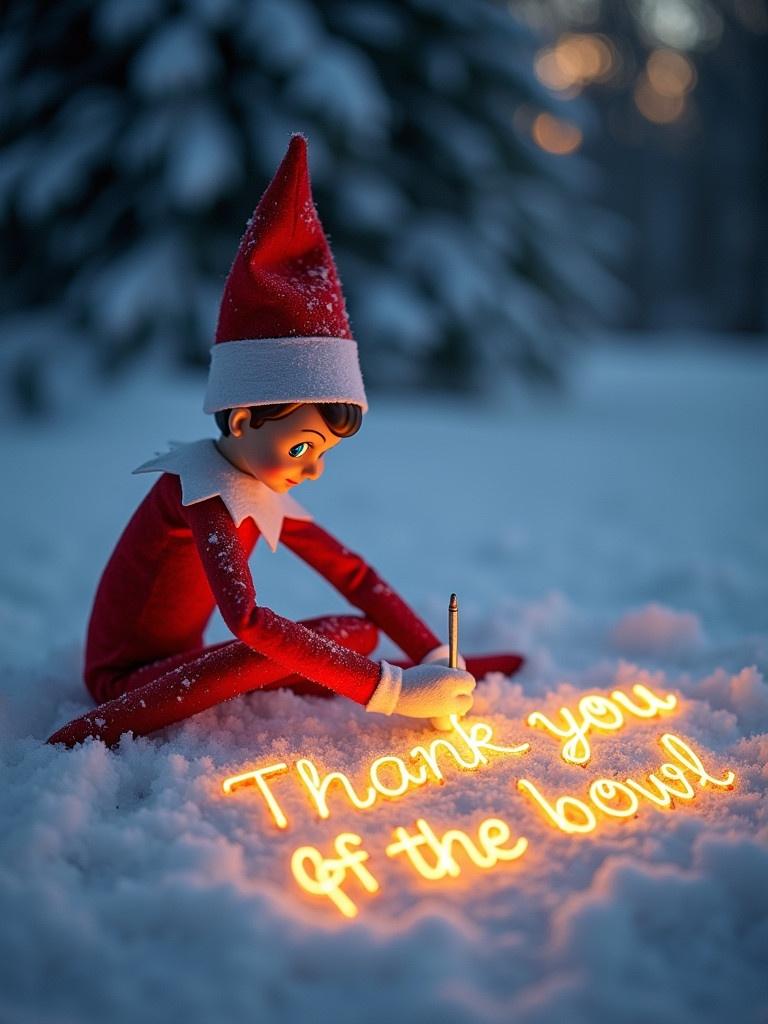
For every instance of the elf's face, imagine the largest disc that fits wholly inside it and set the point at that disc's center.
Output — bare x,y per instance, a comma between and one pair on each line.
281,453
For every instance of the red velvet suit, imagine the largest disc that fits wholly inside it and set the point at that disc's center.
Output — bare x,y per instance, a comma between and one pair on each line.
145,659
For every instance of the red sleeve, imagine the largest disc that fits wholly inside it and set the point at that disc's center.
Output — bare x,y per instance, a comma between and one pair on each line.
294,646
361,586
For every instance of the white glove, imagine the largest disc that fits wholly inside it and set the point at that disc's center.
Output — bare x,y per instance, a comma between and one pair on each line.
424,691
439,656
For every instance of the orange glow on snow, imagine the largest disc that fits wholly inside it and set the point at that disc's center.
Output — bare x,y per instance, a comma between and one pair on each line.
389,776
324,876
436,856
484,853
595,711
258,775
329,872
620,799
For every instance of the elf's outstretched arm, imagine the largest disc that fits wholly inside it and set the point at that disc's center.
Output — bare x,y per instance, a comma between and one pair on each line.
421,692
292,645
361,585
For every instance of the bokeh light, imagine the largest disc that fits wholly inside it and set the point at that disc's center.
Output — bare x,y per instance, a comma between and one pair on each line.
661,90
683,24
654,105
670,73
575,60
555,135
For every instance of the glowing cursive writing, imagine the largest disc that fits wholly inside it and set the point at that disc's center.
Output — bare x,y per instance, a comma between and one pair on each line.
329,872
324,876
389,776
485,853
435,856
603,713
259,776
621,799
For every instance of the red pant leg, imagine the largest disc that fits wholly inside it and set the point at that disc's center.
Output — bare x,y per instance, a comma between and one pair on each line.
168,691
481,664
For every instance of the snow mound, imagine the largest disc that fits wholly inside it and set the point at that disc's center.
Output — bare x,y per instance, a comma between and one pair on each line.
745,694
652,931
657,630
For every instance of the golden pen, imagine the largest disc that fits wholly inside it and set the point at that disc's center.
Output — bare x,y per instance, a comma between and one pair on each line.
453,632
444,723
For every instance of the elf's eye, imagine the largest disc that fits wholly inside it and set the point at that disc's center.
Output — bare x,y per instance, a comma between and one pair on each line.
298,449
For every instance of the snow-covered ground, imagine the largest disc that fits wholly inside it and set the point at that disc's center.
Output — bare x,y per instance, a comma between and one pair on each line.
615,535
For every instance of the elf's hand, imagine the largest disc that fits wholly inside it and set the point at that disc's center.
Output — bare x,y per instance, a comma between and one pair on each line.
424,691
439,656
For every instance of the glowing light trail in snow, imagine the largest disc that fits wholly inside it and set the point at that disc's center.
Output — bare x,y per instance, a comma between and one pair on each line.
602,713
424,766
435,856
572,815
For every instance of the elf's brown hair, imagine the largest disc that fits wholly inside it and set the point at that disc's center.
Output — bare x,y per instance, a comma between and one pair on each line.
342,418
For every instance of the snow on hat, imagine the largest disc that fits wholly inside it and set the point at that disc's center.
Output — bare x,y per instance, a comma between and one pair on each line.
283,333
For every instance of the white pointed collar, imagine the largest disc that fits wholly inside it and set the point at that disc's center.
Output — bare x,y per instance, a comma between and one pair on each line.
205,473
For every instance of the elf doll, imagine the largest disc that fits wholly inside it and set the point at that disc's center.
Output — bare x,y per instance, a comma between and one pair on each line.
285,388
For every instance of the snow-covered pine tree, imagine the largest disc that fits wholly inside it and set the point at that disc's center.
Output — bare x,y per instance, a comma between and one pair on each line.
137,135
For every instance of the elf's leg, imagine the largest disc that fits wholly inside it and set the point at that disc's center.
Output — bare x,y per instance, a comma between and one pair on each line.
168,691
481,664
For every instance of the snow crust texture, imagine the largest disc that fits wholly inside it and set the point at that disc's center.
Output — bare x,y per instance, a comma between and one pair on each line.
616,538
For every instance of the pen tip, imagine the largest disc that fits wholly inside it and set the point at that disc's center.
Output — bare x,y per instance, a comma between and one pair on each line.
453,603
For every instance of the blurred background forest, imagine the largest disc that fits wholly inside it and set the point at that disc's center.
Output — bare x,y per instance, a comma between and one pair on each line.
500,181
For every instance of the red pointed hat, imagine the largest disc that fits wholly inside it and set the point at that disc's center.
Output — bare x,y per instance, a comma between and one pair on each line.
283,333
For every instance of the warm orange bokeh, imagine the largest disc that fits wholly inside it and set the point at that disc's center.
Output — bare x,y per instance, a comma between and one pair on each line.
662,88
556,136
670,73
575,60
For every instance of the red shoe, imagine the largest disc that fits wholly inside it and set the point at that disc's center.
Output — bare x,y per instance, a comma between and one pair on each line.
480,665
